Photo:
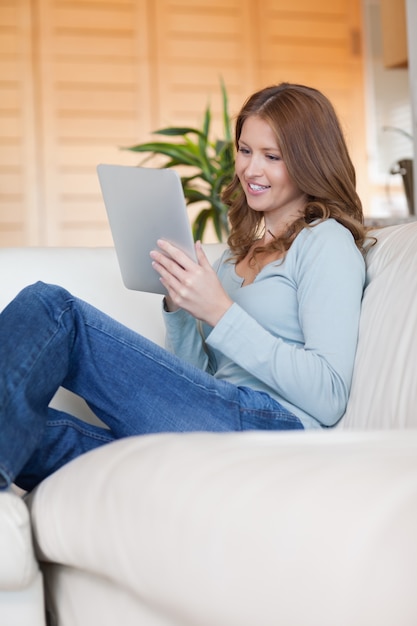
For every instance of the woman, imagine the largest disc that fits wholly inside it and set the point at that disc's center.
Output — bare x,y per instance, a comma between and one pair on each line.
264,340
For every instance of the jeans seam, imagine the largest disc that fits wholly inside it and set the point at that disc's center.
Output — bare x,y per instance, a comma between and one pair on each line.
271,414
80,429
166,365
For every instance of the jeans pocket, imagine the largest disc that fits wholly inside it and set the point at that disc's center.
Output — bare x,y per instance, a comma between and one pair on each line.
268,420
258,411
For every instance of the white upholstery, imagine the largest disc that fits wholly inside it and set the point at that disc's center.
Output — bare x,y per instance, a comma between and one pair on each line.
15,534
21,591
236,530
384,390
295,529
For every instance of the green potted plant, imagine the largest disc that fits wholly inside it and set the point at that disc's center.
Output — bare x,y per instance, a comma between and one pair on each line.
209,163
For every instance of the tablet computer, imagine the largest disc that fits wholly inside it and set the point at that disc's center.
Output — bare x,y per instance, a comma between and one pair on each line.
143,205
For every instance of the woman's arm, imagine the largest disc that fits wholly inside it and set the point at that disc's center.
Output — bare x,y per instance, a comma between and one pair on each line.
326,272
183,338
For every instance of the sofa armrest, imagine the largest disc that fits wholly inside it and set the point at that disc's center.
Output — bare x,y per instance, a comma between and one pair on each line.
18,566
21,588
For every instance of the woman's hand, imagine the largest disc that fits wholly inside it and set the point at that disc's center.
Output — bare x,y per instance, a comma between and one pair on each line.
191,286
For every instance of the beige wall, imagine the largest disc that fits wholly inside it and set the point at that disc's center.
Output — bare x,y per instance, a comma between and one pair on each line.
81,78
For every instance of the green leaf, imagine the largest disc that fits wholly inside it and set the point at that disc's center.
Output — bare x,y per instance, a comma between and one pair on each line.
217,225
177,132
226,116
180,152
206,123
200,223
194,195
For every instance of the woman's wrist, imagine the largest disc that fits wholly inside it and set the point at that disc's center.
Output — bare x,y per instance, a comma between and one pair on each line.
169,306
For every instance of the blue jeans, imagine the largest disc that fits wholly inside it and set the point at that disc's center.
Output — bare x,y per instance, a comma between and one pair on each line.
48,338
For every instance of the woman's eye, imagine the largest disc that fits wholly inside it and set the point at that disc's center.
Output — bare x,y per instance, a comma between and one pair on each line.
243,150
273,157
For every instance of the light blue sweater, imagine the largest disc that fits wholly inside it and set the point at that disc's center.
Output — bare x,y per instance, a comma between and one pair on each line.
291,333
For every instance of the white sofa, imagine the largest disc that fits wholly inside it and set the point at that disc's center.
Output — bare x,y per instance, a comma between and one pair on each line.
268,529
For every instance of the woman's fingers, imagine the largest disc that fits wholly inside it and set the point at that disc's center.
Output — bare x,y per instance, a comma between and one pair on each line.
169,260
174,253
174,266
201,255
164,265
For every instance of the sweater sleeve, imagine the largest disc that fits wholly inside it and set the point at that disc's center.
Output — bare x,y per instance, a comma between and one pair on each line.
183,338
327,271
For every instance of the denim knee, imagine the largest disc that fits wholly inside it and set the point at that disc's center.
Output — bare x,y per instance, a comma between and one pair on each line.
45,291
54,298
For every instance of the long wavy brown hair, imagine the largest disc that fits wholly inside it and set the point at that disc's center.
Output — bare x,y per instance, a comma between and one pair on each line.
314,151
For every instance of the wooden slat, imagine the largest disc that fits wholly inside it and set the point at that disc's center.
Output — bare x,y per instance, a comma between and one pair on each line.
19,199
305,7
83,16
112,100
70,44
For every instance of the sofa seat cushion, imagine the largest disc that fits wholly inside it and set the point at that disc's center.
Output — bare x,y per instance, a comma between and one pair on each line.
238,529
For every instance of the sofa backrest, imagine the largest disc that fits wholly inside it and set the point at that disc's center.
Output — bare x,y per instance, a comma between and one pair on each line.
89,273
384,388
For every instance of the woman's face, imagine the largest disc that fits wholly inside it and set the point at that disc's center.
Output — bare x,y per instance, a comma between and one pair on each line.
264,176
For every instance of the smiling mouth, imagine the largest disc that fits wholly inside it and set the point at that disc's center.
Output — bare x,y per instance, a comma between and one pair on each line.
254,187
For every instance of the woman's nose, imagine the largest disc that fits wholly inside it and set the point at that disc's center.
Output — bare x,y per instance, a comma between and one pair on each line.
254,166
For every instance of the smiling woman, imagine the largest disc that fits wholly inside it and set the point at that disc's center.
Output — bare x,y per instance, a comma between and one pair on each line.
264,339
